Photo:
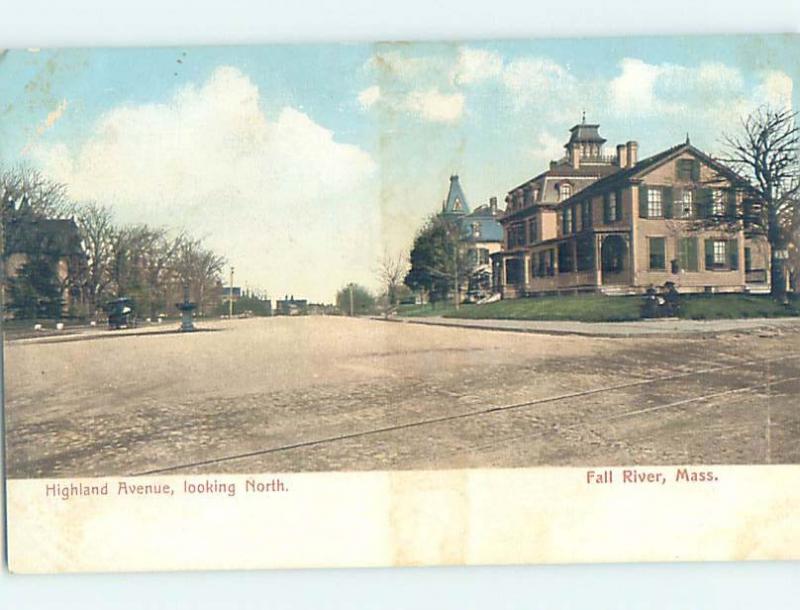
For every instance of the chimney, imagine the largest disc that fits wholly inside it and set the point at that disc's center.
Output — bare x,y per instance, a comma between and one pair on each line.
633,153
553,164
493,205
622,155
575,157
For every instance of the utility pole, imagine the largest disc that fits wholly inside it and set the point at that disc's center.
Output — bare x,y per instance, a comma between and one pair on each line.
455,275
350,286
230,296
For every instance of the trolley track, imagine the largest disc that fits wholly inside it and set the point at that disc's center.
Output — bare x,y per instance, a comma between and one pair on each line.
490,410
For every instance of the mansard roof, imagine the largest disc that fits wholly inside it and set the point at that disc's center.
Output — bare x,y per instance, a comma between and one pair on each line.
585,133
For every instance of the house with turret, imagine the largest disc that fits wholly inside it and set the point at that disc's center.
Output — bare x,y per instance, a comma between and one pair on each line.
615,224
481,234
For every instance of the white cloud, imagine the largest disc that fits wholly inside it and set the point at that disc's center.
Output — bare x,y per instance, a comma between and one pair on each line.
369,96
775,89
278,196
434,106
476,65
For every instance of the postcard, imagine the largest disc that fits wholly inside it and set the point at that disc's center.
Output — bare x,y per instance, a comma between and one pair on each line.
391,304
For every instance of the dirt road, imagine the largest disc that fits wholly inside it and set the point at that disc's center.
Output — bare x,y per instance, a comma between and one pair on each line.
323,393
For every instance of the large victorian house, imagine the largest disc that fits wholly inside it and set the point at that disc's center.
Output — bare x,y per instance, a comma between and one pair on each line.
616,225
481,234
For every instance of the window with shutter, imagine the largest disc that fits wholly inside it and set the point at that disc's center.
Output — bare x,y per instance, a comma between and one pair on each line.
733,253
618,207
655,203
717,202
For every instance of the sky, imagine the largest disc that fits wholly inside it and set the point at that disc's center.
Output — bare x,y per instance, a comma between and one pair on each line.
304,165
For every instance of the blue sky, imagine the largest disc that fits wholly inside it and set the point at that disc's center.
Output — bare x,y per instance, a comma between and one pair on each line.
302,164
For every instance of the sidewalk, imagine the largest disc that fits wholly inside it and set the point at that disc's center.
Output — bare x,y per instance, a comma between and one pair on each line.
666,327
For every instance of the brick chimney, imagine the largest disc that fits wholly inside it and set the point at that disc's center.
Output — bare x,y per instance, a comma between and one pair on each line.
622,155
493,205
575,156
633,153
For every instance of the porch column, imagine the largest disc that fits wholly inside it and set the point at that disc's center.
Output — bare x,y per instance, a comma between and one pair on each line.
598,260
526,268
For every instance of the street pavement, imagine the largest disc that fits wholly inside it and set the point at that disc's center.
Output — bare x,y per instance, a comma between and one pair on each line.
639,328
331,393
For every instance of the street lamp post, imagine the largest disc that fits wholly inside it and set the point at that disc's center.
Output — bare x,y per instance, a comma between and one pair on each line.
230,296
351,299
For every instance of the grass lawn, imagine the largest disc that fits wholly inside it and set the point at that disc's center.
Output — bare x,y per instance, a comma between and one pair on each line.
598,308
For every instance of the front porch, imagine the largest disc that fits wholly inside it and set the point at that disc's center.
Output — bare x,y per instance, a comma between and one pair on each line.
589,263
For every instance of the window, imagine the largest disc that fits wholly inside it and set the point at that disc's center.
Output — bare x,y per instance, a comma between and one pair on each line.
567,221
655,207
532,230
565,260
748,259
720,253
565,192
516,235
483,256
687,204
586,214
585,252
536,194
476,230
550,262
687,169
717,202
612,207
658,257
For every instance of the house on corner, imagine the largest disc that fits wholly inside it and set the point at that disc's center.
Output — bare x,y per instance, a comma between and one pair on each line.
614,224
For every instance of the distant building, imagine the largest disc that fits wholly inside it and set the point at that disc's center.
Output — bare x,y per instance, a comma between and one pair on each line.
289,306
617,225
231,293
480,231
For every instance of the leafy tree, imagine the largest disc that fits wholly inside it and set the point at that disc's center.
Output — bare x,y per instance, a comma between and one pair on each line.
362,299
35,291
439,264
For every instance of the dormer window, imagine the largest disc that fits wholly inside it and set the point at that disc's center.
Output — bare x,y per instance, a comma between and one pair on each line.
565,192
476,229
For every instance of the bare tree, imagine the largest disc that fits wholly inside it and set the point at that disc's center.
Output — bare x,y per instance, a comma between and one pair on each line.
766,152
96,224
26,190
391,271
198,268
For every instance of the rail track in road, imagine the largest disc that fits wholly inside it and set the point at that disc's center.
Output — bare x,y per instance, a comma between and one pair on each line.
491,410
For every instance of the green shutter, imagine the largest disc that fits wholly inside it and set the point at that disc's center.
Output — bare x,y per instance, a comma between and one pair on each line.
606,209
695,170
642,201
619,205
709,254
704,203
733,253
732,203
691,255
667,201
